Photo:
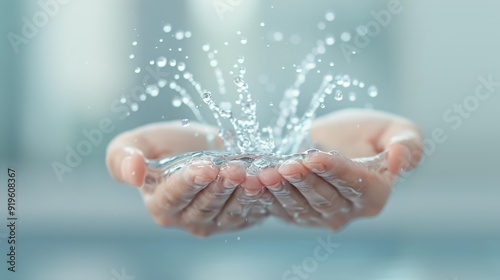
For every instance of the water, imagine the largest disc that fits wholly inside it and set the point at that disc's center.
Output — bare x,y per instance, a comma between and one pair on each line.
245,139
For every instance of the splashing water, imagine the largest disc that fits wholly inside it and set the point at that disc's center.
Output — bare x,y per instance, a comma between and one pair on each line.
245,139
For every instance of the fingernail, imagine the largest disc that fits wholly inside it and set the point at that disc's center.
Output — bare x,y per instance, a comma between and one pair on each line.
297,177
202,181
253,192
317,167
276,187
126,170
229,184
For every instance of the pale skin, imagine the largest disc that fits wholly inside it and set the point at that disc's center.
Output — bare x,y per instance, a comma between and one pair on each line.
326,189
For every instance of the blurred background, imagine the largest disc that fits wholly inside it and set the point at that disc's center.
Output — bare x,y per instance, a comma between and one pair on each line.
71,71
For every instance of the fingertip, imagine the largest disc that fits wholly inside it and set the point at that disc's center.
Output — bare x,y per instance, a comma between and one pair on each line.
290,167
233,172
399,158
320,162
133,170
269,177
252,186
200,172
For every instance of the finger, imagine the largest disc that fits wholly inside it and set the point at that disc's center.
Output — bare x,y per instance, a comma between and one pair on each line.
127,165
237,209
260,209
178,190
210,201
367,190
291,200
320,194
339,171
403,141
271,177
152,141
404,153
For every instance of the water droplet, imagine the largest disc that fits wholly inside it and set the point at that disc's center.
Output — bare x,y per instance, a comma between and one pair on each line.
238,238
181,66
332,64
339,95
167,28
262,24
153,90
372,91
310,65
137,70
176,102
241,59
131,56
352,96
134,43
179,35
361,85
151,62
330,16
123,100
330,40
345,36
243,41
206,47
161,40
346,81
162,83
161,61
185,122
188,34
134,107
207,96
173,62
278,36
238,81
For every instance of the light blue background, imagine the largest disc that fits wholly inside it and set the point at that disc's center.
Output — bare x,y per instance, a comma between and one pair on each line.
441,223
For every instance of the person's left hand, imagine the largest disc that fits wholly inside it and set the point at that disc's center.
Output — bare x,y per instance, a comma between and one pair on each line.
329,189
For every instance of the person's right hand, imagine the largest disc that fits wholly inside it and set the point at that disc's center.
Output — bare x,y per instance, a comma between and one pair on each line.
201,197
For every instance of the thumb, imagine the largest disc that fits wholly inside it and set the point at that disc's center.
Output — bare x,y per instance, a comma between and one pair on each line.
404,153
126,164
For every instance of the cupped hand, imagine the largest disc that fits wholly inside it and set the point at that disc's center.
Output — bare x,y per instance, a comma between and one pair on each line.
329,189
201,197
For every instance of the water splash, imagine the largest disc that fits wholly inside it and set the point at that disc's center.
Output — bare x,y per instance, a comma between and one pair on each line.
245,138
